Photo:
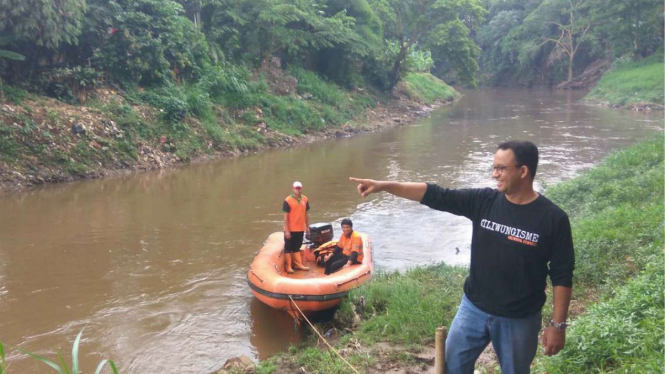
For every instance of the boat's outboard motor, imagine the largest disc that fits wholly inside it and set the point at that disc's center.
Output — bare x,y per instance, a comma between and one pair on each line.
320,233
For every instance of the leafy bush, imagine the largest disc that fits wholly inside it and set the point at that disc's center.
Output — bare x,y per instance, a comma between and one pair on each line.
620,335
154,43
198,103
12,94
419,61
378,68
170,99
71,85
220,80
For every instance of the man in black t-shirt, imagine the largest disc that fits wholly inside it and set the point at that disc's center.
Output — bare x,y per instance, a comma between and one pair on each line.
519,238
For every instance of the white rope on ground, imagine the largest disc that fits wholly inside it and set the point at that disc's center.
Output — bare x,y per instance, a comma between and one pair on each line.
322,338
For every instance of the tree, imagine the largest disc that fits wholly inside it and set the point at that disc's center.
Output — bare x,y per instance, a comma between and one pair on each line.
557,29
193,10
44,22
634,27
344,61
10,56
523,39
573,31
500,52
147,42
442,25
257,29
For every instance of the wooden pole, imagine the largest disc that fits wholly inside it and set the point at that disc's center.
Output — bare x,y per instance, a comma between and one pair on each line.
440,348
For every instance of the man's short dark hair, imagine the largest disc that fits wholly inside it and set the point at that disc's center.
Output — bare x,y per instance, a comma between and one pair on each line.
526,153
347,222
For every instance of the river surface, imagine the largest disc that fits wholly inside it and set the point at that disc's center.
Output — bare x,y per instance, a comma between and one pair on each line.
153,265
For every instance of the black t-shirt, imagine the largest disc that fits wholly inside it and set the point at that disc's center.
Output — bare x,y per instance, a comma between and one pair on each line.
513,248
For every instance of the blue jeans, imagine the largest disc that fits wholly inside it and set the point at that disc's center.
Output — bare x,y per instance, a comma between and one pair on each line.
515,340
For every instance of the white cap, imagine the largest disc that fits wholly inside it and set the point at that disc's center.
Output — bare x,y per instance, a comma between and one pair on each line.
297,184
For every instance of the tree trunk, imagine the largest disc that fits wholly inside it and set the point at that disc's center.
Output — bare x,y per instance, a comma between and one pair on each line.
398,63
570,67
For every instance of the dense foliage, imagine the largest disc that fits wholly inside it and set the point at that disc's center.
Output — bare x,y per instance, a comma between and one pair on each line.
547,41
73,46
70,45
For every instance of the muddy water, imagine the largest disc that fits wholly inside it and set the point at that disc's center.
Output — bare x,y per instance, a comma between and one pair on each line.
153,265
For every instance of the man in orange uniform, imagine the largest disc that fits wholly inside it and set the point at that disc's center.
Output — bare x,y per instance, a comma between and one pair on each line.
348,251
296,223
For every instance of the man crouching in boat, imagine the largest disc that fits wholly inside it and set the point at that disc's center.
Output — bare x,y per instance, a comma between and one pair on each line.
347,252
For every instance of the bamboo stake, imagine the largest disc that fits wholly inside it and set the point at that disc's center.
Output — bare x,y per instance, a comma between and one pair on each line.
440,348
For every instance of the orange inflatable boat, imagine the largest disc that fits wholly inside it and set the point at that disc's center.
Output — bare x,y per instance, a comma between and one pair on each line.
311,291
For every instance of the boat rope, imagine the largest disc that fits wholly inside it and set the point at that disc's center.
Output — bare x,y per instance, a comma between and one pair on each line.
321,337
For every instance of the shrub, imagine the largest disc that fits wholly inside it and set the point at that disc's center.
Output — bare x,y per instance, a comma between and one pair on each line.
620,335
12,94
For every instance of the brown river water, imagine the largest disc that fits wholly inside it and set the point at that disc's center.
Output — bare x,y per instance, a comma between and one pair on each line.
153,265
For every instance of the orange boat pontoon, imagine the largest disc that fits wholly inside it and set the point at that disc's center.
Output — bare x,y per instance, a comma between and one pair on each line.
311,290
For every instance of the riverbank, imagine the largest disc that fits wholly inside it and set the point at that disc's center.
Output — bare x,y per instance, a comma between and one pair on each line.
635,85
616,212
45,141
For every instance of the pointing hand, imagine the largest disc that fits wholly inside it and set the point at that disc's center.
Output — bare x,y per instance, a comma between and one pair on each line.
366,186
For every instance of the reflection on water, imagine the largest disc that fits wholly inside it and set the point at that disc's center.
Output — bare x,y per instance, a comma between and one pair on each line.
272,330
153,265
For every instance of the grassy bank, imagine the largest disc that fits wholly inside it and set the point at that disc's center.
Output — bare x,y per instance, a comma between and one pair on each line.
639,82
616,211
426,88
226,112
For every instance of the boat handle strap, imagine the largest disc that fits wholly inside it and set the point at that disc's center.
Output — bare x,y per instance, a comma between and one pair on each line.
257,277
354,279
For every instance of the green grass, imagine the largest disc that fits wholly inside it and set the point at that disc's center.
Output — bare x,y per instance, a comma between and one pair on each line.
329,106
310,83
620,335
635,82
617,219
407,308
398,308
426,88
617,211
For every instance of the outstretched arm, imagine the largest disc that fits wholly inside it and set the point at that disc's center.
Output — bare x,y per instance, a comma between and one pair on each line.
408,190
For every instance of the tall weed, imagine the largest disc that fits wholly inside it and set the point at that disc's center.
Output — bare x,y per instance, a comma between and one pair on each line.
620,335
61,367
